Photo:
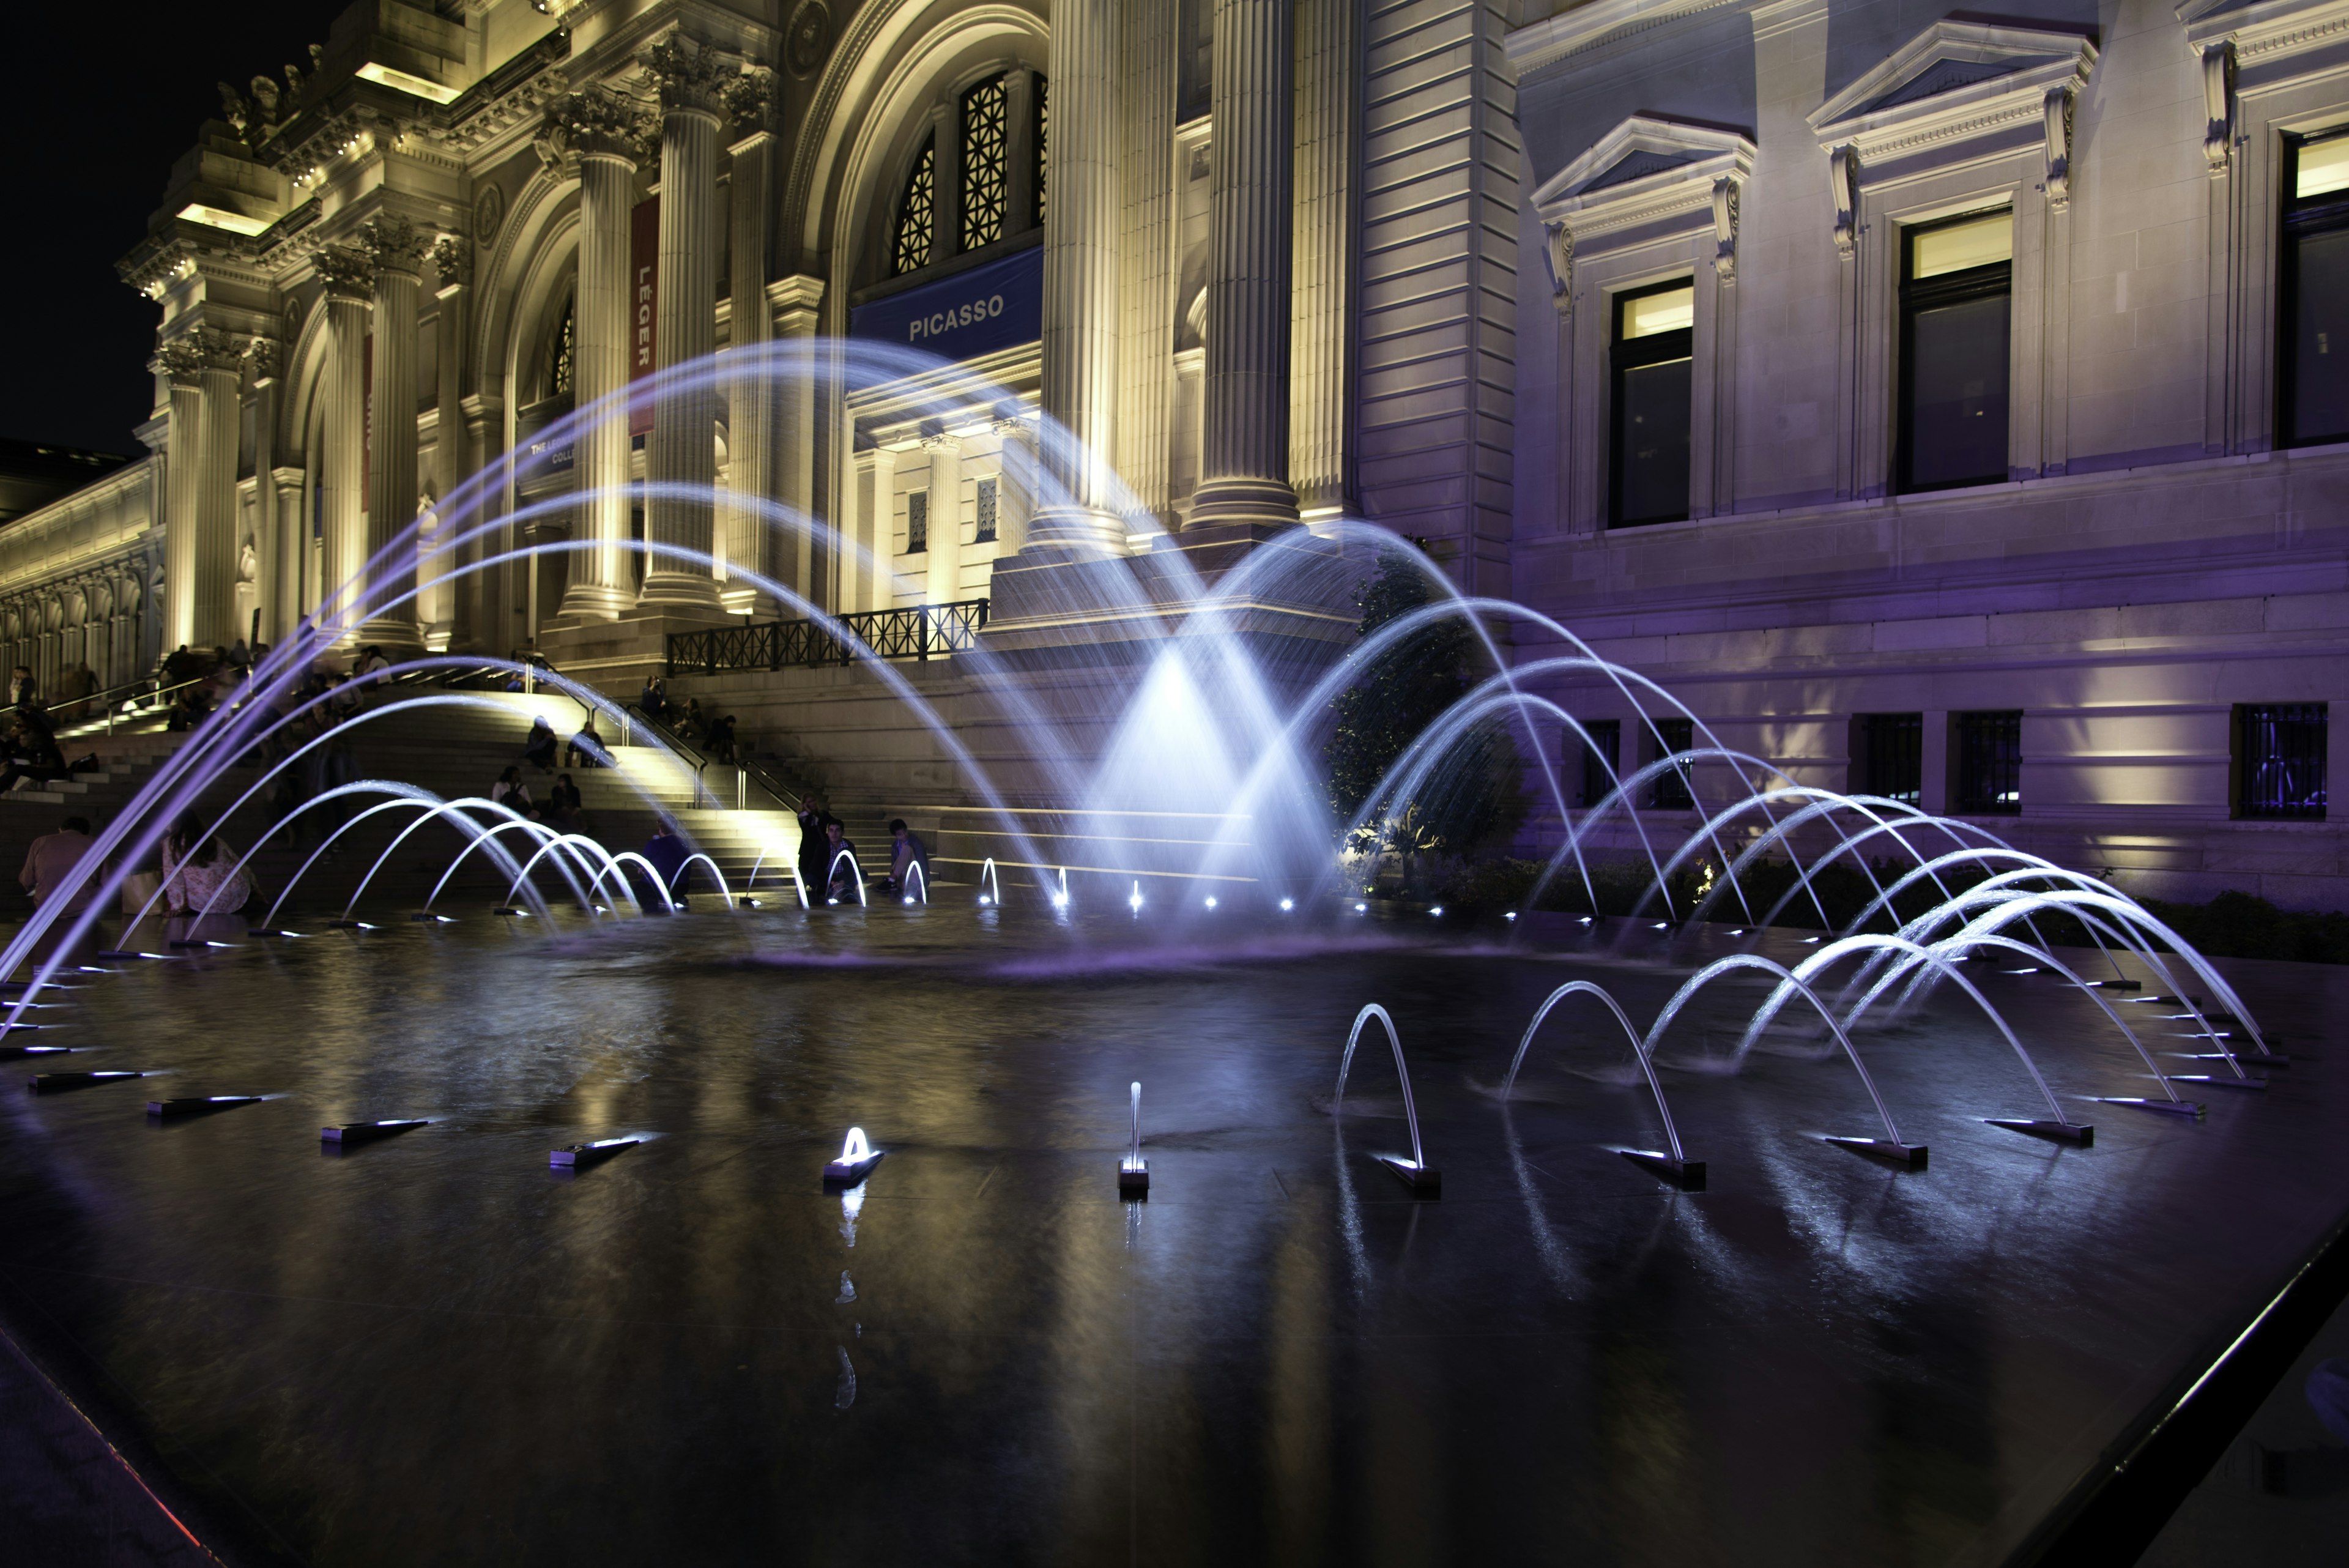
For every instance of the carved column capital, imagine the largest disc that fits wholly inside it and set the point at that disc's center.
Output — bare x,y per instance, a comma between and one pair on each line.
182,360
265,354
595,123
394,244
750,99
692,77
349,272
452,262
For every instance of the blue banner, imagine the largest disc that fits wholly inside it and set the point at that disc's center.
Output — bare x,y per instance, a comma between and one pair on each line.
991,308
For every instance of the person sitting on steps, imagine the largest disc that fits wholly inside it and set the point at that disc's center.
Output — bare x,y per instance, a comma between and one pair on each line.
539,750
586,749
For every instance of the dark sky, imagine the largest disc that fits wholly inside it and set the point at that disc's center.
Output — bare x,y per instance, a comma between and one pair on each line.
107,94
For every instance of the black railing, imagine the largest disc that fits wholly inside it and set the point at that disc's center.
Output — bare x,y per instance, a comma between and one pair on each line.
919,632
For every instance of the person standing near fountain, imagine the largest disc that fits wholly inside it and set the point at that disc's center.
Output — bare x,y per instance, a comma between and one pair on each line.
906,853
814,874
840,857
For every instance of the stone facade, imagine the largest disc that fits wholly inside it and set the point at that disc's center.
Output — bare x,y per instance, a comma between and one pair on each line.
405,261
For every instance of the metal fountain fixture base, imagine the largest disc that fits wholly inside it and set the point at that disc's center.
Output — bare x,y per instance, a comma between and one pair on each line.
2056,1132
1425,1181
1688,1175
368,1132
580,1156
2216,1081
59,1082
1132,1179
2145,1102
198,1105
1910,1156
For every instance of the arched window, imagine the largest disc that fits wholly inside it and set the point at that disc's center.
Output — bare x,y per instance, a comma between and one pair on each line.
910,250
985,164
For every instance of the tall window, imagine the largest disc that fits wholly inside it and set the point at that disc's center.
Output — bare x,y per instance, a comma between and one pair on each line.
1650,366
1888,757
1602,756
1989,749
2280,759
918,522
986,162
987,490
2313,335
910,249
1672,791
1956,294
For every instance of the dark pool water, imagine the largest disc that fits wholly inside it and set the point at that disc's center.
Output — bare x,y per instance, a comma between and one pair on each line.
435,1350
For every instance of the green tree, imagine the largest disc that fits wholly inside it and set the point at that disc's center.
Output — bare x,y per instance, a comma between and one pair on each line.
1473,794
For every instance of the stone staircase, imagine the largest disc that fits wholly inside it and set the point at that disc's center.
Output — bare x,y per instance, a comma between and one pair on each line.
454,744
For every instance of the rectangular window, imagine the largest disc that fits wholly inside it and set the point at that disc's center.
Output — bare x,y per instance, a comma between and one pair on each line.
918,522
1989,748
1888,757
2313,330
1649,370
1672,791
1602,757
1956,288
2280,759
986,492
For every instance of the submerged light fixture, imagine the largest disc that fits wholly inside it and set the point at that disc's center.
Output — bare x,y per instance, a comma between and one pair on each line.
857,1160
351,1133
580,1156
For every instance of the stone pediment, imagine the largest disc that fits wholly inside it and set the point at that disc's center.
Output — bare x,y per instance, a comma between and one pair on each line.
1646,167
1956,79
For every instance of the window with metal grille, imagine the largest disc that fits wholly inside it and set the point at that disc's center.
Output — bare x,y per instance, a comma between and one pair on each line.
1956,296
1671,791
1043,136
986,162
2280,759
1602,756
559,365
911,250
918,522
986,492
1989,749
1888,757
2312,381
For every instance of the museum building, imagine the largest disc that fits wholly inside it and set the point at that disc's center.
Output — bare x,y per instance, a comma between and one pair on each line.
1945,407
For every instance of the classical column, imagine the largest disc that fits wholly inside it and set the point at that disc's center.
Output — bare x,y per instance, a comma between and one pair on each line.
680,458
1320,325
182,361
1015,500
215,586
1081,278
350,294
452,457
1147,348
271,566
804,559
749,538
396,248
944,582
496,618
604,134
880,533
292,551
1244,464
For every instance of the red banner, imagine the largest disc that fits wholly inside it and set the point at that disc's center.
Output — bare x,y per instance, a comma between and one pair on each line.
644,288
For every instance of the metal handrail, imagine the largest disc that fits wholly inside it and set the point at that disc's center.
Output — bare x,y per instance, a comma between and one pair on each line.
916,631
784,794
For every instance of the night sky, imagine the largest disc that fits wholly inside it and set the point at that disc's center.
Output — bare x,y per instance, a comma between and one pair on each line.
109,93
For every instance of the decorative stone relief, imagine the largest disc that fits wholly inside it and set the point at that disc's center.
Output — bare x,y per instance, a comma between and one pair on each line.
749,97
1725,228
393,243
2058,121
807,39
452,262
2218,104
489,214
346,270
692,76
1842,182
263,353
596,121
1560,252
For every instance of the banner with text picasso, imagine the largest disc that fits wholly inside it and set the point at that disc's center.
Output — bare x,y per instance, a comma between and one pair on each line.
991,308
